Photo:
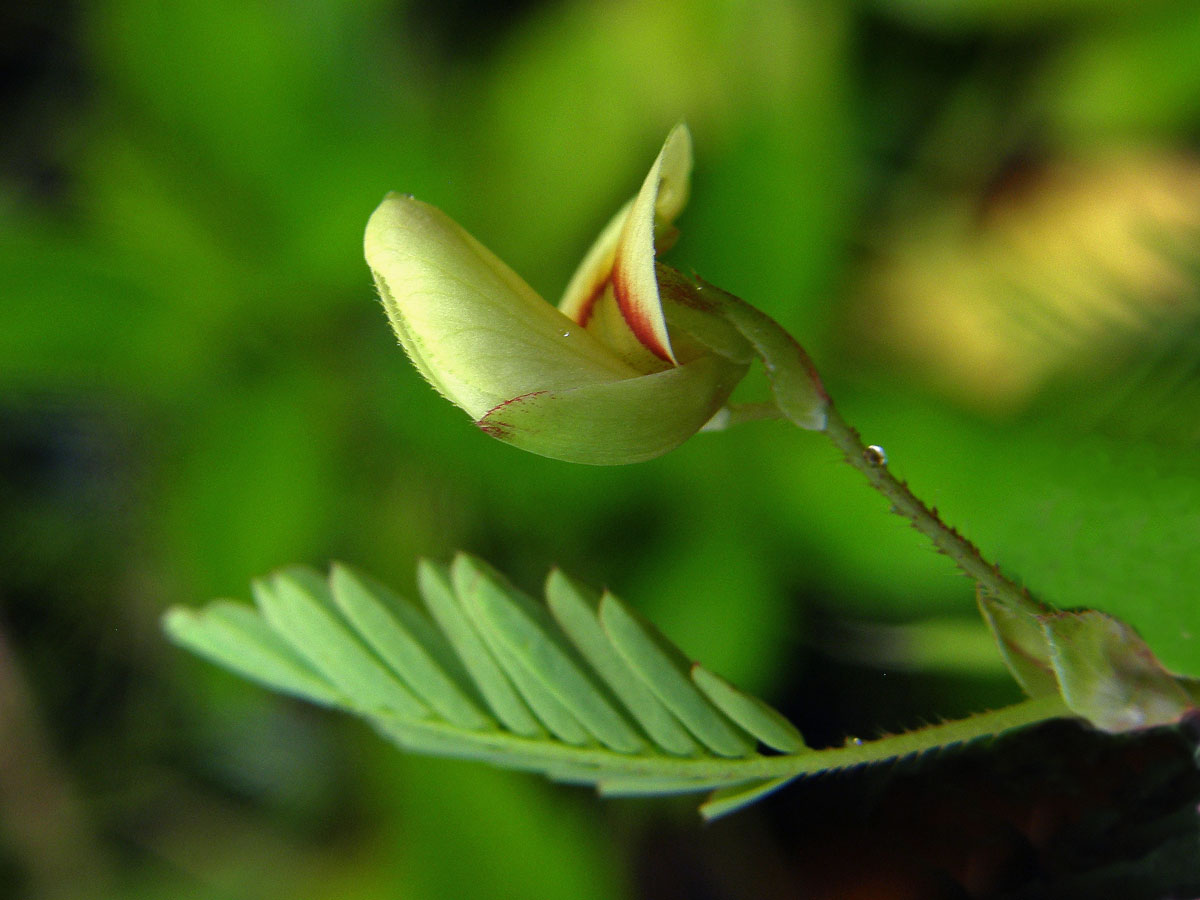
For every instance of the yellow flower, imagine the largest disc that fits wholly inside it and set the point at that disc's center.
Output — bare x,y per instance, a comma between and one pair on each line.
608,377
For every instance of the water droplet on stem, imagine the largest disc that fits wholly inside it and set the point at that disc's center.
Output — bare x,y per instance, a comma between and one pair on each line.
875,455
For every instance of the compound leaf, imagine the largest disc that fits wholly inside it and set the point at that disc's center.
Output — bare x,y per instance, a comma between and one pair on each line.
580,689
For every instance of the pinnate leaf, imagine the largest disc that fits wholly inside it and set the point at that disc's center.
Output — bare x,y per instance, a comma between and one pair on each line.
579,688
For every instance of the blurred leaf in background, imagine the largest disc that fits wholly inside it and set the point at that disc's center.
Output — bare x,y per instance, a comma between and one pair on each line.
196,385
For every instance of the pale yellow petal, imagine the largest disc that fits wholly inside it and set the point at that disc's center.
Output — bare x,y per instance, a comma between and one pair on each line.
473,327
591,277
607,324
661,198
675,174
633,278
620,422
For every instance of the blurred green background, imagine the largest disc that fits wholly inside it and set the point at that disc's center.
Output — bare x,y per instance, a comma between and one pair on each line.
980,217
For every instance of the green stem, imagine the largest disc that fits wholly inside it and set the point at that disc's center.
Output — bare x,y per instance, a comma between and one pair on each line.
958,731
802,399
593,764
966,555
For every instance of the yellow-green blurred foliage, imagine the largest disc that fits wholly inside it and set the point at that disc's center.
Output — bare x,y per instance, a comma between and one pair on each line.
980,218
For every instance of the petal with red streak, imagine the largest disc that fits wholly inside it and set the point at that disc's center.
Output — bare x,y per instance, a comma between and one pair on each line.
633,278
623,255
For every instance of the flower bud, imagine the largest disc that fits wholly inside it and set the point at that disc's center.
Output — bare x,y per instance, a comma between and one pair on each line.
601,379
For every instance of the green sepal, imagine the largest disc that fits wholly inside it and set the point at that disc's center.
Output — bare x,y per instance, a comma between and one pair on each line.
1109,676
1023,643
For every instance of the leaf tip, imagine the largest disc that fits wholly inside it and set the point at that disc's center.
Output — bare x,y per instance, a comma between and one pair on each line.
176,619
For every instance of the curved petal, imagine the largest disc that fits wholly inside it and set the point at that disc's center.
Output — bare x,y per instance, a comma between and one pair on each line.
476,331
621,422
662,197
634,283
591,276
675,172
607,325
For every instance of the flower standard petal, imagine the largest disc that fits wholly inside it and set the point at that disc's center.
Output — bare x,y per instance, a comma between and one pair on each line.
473,327
635,285
619,267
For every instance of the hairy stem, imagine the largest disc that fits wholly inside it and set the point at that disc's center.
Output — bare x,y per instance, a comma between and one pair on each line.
802,399
594,764
966,555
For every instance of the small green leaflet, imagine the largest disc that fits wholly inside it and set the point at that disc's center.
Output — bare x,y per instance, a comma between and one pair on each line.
579,688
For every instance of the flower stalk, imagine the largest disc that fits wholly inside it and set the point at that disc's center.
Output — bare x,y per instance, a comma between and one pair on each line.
926,520
801,398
